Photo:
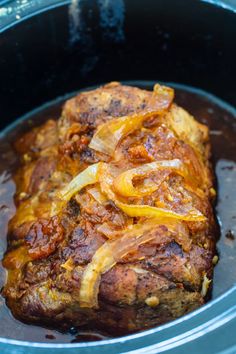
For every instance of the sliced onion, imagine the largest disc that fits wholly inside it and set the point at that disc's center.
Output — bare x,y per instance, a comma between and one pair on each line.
68,265
123,184
133,210
83,179
177,228
197,191
187,128
117,247
180,232
106,257
110,133
154,212
101,172
107,230
161,98
205,285
96,193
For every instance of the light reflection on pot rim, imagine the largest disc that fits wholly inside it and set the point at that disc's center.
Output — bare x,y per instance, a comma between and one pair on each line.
218,319
12,13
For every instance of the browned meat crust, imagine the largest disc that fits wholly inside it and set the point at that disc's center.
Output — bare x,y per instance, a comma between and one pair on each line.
46,257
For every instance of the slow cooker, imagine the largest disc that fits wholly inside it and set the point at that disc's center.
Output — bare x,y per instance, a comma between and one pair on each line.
49,48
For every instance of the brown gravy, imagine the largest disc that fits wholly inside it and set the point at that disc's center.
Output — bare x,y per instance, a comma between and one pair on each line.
221,120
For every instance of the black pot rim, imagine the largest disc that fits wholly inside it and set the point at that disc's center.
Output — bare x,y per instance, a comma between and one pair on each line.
183,330
14,13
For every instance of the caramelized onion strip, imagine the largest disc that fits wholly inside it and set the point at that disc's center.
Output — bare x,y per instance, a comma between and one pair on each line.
106,257
123,184
136,210
108,135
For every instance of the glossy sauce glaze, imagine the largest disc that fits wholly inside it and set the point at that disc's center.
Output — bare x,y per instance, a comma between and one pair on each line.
221,120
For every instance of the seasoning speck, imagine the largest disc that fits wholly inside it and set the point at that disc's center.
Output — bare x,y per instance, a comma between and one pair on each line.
50,336
152,301
73,331
230,168
230,235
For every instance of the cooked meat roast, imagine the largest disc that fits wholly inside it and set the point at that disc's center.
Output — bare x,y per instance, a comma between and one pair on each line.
114,228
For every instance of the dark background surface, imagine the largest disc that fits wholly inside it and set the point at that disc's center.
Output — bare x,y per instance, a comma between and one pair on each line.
88,43
91,41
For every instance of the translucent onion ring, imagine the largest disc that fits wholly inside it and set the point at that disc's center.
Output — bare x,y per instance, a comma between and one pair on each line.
106,257
123,184
136,210
108,135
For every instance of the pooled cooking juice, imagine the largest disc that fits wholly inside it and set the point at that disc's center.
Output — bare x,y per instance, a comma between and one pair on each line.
221,120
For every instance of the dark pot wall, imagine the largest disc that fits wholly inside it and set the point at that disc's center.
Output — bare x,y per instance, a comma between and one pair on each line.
56,52
72,46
